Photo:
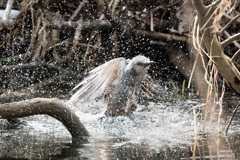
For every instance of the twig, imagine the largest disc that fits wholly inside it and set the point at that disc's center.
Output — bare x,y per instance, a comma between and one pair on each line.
212,11
77,10
109,5
58,44
228,123
234,42
158,43
33,40
63,24
107,15
173,3
228,25
158,35
221,108
151,13
114,6
86,45
209,9
204,11
161,21
235,55
194,66
76,38
151,24
206,23
230,40
80,44
39,64
221,4
93,34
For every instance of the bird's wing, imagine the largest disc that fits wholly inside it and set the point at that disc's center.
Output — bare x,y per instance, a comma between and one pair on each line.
99,80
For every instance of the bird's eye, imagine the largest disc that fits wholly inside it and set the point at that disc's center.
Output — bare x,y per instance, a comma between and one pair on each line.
139,63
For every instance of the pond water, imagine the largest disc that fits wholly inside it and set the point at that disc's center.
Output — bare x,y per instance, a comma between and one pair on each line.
155,131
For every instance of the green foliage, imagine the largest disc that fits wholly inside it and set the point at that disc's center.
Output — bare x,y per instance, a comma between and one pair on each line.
6,60
183,88
176,89
78,65
183,92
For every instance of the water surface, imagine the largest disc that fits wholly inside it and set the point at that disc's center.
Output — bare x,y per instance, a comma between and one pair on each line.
155,131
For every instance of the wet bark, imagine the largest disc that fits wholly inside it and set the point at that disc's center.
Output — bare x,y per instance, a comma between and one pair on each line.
52,107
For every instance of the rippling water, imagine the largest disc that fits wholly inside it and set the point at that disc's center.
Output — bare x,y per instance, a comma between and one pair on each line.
155,131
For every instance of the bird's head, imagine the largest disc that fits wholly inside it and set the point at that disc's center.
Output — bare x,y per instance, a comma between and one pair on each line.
140,64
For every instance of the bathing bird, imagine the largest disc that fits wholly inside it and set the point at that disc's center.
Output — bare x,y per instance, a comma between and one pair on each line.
123,80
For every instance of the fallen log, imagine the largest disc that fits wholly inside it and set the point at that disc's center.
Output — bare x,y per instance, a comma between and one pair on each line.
52,107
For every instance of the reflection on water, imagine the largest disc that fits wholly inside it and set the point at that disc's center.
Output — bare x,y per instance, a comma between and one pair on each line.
22,144
156,131
213,148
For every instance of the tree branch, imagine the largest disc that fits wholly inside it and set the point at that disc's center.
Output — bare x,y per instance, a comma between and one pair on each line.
75,39
234,42
201,9
8,10
209,14
32,66
52,107
235,56
230,40
163,36
77,10
228,25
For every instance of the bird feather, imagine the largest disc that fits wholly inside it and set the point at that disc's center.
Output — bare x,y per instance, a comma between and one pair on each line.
99,80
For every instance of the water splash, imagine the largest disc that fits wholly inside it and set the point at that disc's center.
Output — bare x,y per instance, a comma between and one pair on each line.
157,124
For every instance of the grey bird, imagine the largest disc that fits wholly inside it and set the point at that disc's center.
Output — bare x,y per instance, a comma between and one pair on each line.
122,79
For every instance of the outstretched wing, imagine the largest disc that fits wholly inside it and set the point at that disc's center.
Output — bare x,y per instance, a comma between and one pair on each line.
99,80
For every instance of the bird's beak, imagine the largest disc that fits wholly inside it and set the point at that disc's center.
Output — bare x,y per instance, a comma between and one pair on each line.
149,63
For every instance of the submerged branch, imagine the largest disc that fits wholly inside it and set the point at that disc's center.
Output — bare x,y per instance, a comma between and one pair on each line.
52,107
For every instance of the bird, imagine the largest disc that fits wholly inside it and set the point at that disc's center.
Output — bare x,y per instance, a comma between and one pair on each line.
123,79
